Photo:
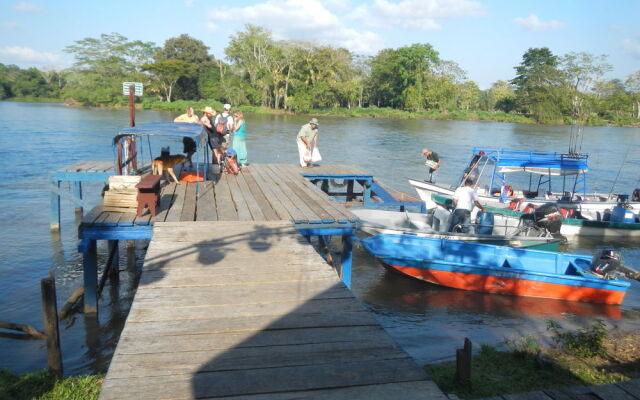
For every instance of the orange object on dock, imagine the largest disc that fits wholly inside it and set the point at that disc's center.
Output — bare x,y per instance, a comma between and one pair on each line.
191,177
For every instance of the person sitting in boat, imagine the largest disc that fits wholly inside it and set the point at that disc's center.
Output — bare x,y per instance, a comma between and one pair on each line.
432,163
464,198
188,116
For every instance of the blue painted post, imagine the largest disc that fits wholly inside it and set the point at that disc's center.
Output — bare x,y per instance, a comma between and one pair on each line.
90,266
77,192
347,247
367,193
54,221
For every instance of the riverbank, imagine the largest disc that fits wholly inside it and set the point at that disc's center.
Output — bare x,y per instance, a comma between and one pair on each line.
43,385
591,356
178,107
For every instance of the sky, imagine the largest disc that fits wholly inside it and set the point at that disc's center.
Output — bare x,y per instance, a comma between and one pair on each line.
486,38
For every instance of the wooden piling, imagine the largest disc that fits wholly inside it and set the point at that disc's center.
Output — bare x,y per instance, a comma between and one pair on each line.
463,364
50,317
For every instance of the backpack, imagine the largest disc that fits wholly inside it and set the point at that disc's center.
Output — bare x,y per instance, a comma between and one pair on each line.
221,125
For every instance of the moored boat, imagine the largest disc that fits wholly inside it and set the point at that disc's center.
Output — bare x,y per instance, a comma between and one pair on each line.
375,222
503,270
551,177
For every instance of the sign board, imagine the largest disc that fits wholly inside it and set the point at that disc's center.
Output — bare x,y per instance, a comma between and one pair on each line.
137,88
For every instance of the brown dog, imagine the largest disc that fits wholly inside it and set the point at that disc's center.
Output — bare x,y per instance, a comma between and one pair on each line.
167,163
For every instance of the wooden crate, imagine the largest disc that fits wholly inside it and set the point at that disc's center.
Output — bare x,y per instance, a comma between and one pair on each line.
122,192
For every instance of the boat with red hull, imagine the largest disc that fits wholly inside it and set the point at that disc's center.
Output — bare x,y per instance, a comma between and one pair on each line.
501,269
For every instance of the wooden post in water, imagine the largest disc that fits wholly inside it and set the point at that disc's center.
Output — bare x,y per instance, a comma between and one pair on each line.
350,195
50,317
463,364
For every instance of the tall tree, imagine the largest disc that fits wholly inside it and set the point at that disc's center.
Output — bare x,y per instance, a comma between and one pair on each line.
192,52
538,81
167,73
633,87
582,71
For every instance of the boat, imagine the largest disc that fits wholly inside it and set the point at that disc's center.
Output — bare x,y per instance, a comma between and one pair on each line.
495,170
504,270
373,222
621,223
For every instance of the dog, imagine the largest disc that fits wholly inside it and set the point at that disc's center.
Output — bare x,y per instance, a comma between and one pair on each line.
166,163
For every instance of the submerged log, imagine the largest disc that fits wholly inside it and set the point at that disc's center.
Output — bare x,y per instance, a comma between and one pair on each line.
29,330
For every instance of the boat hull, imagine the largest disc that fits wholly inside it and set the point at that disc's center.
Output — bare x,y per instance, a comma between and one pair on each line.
496,269
509,285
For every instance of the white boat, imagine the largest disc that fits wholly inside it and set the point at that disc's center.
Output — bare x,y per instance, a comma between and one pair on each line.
436,223
495,170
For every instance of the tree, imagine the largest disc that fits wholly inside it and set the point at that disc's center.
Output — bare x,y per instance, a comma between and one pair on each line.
582,71
504,97
193,52
167,73
538,82
632,85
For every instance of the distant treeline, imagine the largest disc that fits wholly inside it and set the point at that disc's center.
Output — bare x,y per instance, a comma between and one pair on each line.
302,77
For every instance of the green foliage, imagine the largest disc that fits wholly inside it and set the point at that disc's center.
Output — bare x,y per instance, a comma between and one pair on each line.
44,386
499,373
583,343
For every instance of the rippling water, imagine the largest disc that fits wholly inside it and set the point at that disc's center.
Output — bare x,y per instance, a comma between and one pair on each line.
429,322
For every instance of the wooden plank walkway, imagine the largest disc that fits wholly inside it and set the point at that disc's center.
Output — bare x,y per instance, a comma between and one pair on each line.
261,192
250,310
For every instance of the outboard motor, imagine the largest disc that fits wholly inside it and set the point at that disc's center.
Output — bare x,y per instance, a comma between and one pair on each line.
608,264
549,217
636,195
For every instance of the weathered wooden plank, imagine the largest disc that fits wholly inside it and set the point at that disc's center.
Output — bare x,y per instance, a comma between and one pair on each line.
152,342
206,203
163,364
140,314
238,198
225,207
278,199
252,204
527,396
576,393
334,208
269,380
612,392
632,387
91,217
268,209
189,206
127,218
312,203
300,204
167,193
175,212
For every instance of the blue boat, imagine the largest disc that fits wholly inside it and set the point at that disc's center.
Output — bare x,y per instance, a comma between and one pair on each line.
504,270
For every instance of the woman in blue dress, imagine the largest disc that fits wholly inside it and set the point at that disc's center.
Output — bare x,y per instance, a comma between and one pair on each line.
239,143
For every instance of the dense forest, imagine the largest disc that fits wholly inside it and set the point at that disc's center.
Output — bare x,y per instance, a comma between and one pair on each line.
303,77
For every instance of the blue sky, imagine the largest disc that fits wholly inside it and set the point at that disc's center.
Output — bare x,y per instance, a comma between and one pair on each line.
487,38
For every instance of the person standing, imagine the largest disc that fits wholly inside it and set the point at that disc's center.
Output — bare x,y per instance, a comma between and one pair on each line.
306,139
188,116
432,163
214,139
224,125
239,136
464,198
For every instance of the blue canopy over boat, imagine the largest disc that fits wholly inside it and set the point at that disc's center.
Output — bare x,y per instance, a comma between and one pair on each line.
166,129
545,163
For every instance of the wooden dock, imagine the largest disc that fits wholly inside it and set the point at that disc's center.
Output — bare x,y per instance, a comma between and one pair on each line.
248,309
627,390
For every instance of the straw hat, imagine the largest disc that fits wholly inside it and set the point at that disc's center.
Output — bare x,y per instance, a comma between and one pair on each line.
425,150
209,110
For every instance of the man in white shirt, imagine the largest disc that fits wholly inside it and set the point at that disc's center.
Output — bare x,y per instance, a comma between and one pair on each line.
227,131
464,198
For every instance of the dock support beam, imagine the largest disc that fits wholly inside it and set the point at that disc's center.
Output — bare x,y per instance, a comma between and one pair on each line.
347,256
54,221
89,250
77,192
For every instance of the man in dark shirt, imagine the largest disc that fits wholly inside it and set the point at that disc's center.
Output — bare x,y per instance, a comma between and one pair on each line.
432,163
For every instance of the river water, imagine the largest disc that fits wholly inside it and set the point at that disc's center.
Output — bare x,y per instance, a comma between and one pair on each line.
428,322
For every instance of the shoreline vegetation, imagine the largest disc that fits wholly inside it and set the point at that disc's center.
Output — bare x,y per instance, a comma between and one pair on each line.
588,356
178,107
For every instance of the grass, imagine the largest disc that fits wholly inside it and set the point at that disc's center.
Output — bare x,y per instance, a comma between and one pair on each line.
43,385
590,356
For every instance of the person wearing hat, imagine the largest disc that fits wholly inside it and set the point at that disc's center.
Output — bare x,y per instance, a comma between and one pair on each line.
433,162
307,139
225,118
188,117
215,140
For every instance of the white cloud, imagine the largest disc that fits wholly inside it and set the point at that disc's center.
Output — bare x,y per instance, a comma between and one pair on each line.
632,47
9,25
415,14
306,20
26,7
533,23
17,54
